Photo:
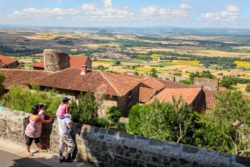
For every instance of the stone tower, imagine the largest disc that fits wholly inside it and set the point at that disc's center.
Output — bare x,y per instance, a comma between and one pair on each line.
55,60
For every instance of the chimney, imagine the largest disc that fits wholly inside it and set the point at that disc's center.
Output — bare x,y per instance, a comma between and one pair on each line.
174,79
84,70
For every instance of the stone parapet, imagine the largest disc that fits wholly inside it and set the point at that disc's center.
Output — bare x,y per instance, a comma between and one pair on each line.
110,148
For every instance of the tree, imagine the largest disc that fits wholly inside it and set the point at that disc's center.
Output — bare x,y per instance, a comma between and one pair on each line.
248,88
228,82
116,62
227,127
204,74
84,109
164,121
136,73
153,73
101,68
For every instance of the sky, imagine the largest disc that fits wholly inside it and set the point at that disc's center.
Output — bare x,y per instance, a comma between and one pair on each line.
126,13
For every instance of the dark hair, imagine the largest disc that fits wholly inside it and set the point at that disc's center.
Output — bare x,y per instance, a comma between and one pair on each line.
65,99
35,110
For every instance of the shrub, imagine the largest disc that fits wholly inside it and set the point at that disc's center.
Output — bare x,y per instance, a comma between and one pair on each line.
162,121
19,98
227,126
114,114
248,88
228,82
214,134
1,84
134,121
153,72
84,109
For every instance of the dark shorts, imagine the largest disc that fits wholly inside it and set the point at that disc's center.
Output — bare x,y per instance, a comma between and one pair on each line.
29,140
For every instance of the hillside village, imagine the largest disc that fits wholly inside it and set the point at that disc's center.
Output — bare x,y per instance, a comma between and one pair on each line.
71,75
129,104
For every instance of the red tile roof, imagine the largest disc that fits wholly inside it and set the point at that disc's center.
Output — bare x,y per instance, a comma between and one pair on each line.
7,60
20,76
94,81
146,94
187,94
75,62
39,64
78,61
153,83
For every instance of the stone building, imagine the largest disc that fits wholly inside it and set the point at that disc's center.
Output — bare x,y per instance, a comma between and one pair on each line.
74,62
8,62
207,84
210,88
122,90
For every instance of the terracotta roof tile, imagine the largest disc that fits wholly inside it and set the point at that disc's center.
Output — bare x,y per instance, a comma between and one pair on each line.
39,64
78,61
20,76
187,94
94,81
153,83
7,60
75,62
146,94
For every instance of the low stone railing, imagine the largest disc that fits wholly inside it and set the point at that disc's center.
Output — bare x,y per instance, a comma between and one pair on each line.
110,148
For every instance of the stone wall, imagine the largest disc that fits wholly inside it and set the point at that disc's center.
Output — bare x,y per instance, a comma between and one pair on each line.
109,148
207,84
55,60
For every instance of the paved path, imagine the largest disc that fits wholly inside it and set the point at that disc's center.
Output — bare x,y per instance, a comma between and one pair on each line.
14,155
11,160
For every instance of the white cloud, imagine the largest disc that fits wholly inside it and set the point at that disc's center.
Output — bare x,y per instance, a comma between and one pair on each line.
46,12
107,13
231,13
232,8
185,6
155,12
107,3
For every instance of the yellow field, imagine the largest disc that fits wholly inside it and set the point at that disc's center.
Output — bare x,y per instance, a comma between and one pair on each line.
215,53
185,62
241,87
243,47
104,63
143,69
242,63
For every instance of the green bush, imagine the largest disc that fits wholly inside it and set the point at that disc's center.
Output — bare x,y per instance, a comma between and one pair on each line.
248,88
162,121
134,120
20,98
214,134
114,114
84,109
1,84
227,126
228,82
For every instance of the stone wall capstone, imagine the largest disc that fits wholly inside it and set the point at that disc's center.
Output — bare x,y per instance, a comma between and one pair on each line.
110,148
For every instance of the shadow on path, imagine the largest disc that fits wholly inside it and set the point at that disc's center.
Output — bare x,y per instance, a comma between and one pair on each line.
11,160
